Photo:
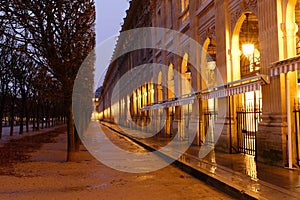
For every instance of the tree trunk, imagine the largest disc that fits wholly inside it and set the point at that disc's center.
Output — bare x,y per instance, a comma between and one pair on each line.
42,119
21,122
38,116
1,115
71,133
73,138
27,116
27,122
11,120
77,140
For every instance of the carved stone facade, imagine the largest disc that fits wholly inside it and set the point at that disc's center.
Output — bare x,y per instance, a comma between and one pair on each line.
225,25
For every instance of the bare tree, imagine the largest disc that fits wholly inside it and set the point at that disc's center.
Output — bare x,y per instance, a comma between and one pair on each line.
6,61
58,36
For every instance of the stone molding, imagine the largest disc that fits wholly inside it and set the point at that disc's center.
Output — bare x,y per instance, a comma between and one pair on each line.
245,5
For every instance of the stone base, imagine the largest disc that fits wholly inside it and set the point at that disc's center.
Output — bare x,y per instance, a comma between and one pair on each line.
272,144
193,130
223,142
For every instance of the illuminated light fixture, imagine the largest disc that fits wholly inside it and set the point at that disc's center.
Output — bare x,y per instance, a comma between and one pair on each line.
211,55
247,48
188,74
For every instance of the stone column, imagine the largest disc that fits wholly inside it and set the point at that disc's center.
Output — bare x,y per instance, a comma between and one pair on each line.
271,137
222,39
290,29
194,118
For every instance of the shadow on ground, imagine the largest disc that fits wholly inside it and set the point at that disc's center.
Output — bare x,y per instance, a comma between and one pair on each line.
19,150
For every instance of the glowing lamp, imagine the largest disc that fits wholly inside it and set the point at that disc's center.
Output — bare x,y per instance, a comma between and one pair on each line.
248,49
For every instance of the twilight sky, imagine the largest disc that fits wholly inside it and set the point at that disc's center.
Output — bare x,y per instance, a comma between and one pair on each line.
109,16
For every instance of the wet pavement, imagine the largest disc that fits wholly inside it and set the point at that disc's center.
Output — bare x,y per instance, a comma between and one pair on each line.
43,175
236,172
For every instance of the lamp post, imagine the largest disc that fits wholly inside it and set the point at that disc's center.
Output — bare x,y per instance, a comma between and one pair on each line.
211,55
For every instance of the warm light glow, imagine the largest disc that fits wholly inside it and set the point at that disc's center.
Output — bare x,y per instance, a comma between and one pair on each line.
248,49
188,75
211,65
184,4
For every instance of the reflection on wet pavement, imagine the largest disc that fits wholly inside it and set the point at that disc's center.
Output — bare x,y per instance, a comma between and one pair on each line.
250,166
238,163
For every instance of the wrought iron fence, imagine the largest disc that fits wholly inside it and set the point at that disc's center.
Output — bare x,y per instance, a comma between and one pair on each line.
297,127
247,127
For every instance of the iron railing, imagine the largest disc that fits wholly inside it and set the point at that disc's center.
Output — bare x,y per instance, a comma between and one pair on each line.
297,128
247,127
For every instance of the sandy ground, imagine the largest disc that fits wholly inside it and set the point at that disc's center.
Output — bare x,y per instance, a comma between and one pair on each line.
34,168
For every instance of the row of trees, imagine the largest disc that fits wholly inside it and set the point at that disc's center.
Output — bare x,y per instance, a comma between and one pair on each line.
28,94
43,44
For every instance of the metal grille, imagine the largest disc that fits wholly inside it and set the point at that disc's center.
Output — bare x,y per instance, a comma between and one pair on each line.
297,128
249,67
247,127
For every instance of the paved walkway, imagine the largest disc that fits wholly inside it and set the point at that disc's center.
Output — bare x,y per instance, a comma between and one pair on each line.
231,172
234,171
6,133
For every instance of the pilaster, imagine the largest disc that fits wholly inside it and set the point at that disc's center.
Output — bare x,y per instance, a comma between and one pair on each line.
222,39
271,137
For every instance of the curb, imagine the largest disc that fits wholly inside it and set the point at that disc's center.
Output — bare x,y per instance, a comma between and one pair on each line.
212,181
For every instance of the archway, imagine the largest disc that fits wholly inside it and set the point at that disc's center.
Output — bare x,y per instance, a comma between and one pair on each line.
171,96
186,73
245,65
185,90
159,87
160,97
291,28
209,107
171,93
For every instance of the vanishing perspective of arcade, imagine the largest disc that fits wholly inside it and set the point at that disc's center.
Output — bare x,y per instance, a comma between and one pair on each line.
245,82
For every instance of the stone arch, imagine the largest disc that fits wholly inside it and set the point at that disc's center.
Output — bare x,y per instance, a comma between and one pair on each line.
184,64
184,69
236,54
245,6
159,87
291,28
204,61
171,89
235,49
208,72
